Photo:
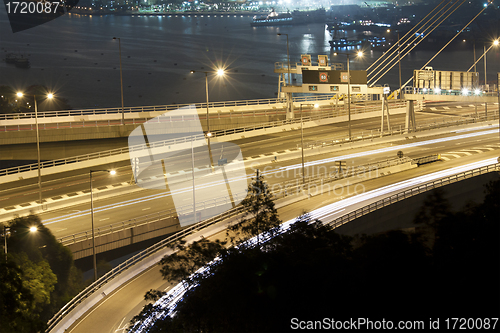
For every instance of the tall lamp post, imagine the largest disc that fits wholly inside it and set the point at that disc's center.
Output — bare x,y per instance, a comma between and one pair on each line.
111,172
49,96
302,140
121,76
359,54
219,72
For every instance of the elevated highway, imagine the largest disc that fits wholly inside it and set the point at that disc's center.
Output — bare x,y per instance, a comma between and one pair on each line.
114,308
68,216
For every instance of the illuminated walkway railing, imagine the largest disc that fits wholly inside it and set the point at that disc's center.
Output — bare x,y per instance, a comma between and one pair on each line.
136,110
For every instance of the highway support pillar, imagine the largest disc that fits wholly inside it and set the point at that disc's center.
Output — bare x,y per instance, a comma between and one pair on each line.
385,108
410,117
281,83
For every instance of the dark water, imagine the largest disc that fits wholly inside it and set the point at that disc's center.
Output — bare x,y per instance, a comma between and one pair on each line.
77,57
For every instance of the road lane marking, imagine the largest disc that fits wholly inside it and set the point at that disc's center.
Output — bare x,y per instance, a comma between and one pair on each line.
146,208
454,155
460,152
122,328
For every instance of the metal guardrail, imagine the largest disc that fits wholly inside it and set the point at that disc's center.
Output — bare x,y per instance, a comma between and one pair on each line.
412,192
437,91
274,111
147,219
156,144
158,108
293,66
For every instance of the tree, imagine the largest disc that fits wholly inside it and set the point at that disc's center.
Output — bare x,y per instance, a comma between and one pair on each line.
181,265
16,301
39,279
260,217
48,263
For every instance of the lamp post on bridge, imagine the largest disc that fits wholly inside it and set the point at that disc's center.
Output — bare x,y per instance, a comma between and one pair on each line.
48,96
287,57
358,54
111,172
302,140
121,76
219,72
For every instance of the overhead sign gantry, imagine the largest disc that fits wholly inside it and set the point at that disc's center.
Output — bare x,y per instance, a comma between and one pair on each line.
322,78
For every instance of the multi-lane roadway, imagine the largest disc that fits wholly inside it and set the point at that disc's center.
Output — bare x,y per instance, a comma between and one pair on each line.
139,202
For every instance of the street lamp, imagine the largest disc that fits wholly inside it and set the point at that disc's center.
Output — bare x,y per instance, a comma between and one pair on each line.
49,96
219,72
5,229
121,76
302,140
288,58
495,43
111,172
359,54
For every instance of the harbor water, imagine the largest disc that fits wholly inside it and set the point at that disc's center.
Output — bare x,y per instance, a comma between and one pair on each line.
77,57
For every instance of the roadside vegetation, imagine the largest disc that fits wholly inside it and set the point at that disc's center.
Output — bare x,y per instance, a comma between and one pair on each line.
37,278
447,267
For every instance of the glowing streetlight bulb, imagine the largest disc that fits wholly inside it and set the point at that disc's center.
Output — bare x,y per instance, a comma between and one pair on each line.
112,172
50,96
220,72
33,229
19,94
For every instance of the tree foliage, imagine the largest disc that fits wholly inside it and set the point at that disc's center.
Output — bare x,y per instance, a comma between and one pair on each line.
260,215
48,271
186,260
16,301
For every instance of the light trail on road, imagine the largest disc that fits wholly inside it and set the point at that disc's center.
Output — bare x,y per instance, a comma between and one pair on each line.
268,173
